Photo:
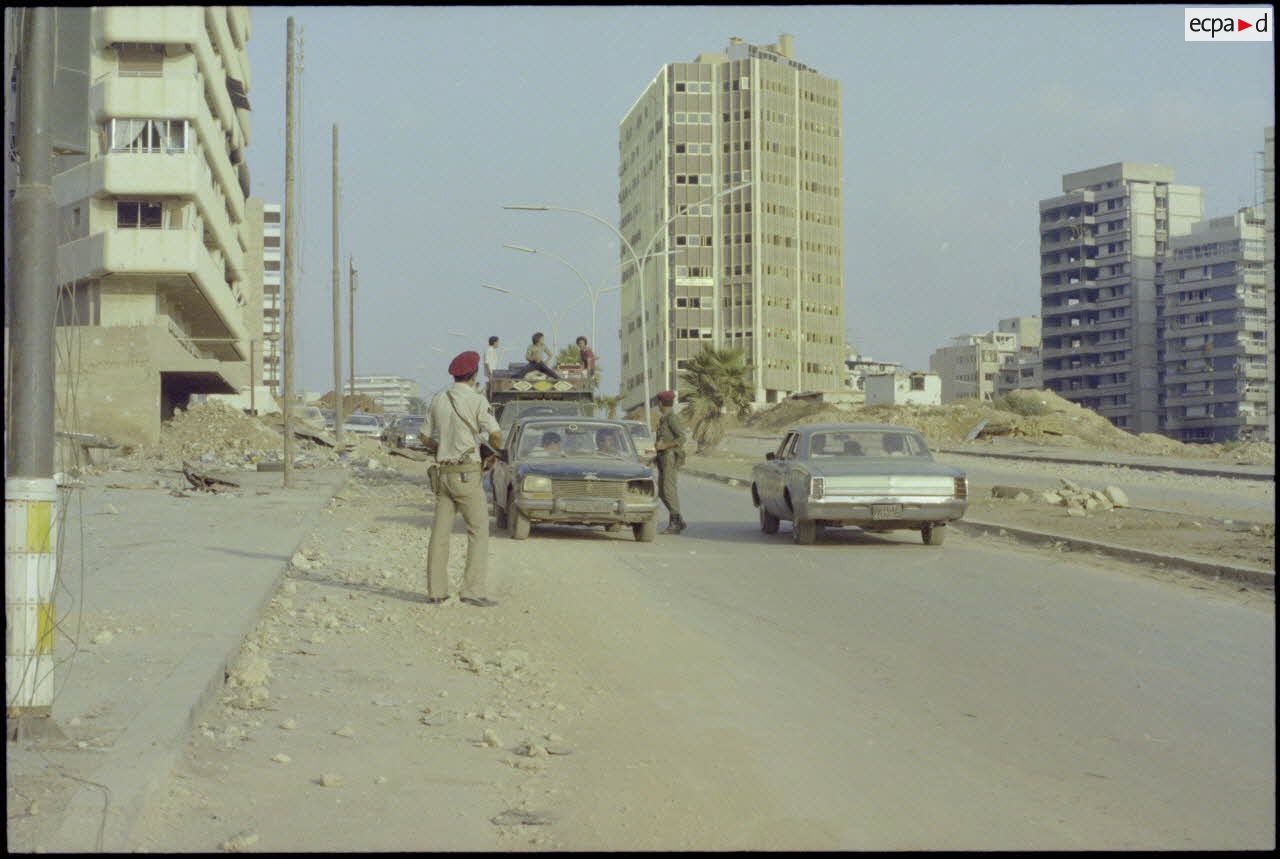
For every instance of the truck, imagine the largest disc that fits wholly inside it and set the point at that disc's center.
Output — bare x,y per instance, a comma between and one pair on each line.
513,395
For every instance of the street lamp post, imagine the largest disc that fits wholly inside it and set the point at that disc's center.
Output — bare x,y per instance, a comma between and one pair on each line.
638,262
535,303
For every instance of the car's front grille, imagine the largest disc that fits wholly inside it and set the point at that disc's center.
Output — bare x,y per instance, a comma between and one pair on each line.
614,489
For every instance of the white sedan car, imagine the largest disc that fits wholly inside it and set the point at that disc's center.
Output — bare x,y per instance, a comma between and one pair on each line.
362,425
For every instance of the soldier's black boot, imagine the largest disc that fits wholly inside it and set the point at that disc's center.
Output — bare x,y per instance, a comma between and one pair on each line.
681,524
673,527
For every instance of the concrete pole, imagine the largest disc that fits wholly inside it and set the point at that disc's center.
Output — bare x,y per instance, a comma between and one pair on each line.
31,494
337,302
290,236
351,322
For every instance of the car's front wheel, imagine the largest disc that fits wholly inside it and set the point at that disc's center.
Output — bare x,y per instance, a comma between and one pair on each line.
647,530
805,531
768,522
933,535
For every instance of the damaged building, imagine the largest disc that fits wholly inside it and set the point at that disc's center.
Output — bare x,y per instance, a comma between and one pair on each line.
159,259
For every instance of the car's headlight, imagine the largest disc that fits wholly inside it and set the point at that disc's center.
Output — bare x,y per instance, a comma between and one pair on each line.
536,483
817,486
962,487
640,487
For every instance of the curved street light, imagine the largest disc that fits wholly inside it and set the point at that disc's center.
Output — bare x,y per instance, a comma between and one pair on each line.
637,261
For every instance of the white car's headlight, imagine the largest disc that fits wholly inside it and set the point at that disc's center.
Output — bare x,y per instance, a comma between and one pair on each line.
536,483
817,486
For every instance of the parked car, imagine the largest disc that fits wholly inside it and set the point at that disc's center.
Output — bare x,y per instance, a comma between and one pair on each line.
404,432
643,438
573,471
361,424
878,477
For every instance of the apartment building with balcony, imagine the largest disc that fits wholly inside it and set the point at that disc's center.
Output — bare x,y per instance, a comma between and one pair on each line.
160,294
1103,243
969,366
1215,331
272,299
391,393
1021,371
760,268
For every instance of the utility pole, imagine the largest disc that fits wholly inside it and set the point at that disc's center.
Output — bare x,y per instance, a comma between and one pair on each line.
337,303
290,234
351,321
30,492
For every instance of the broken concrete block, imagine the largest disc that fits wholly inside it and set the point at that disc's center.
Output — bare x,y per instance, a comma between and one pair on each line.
1117,496
1075,512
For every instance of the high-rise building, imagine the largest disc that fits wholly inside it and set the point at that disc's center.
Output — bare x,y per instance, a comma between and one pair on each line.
969,366
1215,351
1269,269
150,121
759,268
1102,245
272,298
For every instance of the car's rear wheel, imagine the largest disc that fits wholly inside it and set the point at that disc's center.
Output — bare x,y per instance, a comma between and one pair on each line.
520,524
933,535
768,522
647,530
805,531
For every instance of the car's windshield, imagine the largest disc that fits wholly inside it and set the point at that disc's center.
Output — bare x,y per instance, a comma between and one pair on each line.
362,420
835,443
553,439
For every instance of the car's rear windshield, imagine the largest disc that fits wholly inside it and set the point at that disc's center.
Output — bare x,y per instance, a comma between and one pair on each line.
866,443
555,439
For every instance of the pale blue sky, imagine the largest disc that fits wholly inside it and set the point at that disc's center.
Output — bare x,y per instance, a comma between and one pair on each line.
957,121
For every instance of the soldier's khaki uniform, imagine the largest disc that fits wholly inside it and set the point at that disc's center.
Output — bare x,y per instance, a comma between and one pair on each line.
461,487
670,429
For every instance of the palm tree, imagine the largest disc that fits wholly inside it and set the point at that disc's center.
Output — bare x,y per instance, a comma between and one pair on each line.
610,405
717,379
569,355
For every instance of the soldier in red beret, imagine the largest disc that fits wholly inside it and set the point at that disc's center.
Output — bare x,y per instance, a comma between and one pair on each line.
457,419
670,446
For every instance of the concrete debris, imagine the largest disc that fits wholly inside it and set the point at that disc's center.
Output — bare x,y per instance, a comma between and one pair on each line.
330,780
240,843
490,738
249,670
345,731
1117,496
381,779
289,724
281,758
521,817
530,749
110,510
103,637
299,562
1075,512
1188,523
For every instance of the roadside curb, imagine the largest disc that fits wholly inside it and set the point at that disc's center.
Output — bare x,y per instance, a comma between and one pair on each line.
150,747
1176,469
1200,567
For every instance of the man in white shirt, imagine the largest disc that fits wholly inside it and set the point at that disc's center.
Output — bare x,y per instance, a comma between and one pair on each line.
490,363
456,418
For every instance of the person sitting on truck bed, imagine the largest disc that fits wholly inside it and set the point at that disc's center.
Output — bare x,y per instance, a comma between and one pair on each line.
537,355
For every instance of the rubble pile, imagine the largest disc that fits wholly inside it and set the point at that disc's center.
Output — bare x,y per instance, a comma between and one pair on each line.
1042,417
1080,500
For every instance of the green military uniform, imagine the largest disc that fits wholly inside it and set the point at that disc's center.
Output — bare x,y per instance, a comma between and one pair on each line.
671,429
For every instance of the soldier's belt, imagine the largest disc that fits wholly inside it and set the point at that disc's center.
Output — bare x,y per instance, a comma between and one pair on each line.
460,467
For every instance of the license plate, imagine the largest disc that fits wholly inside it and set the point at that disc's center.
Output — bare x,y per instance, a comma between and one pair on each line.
886,511
571,506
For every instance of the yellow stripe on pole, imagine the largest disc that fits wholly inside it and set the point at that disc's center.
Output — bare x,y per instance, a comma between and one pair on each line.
39,526
44,629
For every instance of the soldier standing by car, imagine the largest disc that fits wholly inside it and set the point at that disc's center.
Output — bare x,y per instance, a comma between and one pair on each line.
455,418
670,447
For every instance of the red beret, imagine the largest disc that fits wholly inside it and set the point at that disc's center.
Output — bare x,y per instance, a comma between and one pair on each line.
465,364
666,397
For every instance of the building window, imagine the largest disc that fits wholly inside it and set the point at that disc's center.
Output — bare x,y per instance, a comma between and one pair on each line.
149,135
140,60
139,215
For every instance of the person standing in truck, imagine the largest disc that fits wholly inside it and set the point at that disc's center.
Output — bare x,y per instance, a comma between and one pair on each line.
587,357
490,365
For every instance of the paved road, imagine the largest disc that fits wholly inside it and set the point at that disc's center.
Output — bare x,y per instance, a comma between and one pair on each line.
874,693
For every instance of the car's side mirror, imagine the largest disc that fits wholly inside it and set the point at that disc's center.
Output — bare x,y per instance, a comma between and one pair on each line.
770,456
